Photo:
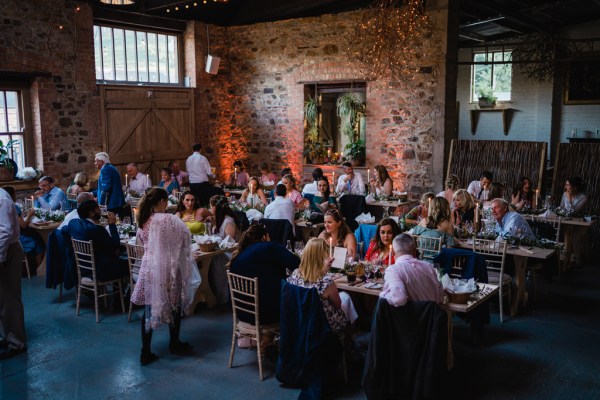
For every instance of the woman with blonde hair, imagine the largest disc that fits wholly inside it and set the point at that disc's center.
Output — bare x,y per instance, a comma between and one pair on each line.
312,273
419,213
79,184
437,224
452,186
464,207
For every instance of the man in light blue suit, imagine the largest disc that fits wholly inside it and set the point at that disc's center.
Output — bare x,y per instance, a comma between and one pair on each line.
110,191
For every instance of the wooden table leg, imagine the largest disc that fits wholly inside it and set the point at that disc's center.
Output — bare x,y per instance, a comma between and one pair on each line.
450,356
204,294
520,295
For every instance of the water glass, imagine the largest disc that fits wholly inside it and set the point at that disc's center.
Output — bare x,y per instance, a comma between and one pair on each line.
126,221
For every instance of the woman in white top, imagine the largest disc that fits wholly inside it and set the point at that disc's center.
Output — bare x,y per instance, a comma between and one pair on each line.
381,183
573,200
253,195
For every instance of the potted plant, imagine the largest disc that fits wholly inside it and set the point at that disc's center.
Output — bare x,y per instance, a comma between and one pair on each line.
357,152
6,164
314,151
486,97
350,109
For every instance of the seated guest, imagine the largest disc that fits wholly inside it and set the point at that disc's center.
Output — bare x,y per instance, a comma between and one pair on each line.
322,200
285,171
479,189
281,207
182,177
464,207
80,184
106,245
253,195
350,182
381,184
190,212
497,191
267,178
137,181
311,188
49,197
409,278
239,177
573,198
437,224
81,197
452,185
380,246
419,213
167,181
290,190
337,233
522,196
510,223
258,257
312,273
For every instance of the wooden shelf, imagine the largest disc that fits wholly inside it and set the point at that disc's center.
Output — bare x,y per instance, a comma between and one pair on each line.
583,140
506,117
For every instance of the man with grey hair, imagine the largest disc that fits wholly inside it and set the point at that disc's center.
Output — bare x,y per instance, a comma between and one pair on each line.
49,197
509,223
138,182
409,278
81,197
110,192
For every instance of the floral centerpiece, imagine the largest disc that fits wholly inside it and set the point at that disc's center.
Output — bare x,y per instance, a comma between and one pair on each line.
53,216
126,229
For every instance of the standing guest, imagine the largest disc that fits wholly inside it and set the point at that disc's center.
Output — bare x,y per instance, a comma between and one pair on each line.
257,257
239,177
167,182
199,172
381,184
573,198
291,192
419,213
510,223
192,215
253,195
409,278
49,197
438,223
225,223
180,176
164,273
281,207
350,182
138,182
110,190
312,273
337,233
480,189
267,178
380,246
464,207
12,319
452,185
80,184
311,188
522,196
322,200
81,197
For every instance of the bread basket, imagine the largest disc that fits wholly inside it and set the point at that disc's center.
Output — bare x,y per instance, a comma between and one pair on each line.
208,247
458,298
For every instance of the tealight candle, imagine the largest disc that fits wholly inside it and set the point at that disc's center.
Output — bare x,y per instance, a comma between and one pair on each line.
369,175
330,247
390,256
477,213
125,180
147,180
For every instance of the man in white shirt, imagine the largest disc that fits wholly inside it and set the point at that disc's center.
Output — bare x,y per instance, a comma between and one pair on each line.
137,181
311,188
81,197
480,189
281,208
12,320
409,278
199,172
350,182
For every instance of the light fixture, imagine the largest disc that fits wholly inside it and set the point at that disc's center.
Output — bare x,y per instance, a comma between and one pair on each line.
118,2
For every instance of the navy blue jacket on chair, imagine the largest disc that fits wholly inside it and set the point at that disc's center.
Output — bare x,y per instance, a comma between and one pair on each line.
110,192
351,206
280,230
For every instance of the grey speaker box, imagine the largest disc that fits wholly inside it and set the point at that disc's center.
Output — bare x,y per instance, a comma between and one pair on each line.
212,64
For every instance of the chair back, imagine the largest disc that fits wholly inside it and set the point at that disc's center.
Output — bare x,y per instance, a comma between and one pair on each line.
84,259
135,253
280,230
244,295
184,189
428,247
547,228
243,218
28,203
177,194
351,206
494,253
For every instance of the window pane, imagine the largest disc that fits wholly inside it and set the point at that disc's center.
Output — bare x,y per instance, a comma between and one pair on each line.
2,114
119,54
163,67
17,153
502,77
98,53
173,58
131,56
152,57
107,53
142,51
482,78
12,108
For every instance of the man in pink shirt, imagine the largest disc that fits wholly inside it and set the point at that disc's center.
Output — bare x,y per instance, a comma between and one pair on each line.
409,278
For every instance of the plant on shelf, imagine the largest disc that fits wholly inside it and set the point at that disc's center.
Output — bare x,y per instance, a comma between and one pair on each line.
356,151
314,151
6,164
350,109
486,97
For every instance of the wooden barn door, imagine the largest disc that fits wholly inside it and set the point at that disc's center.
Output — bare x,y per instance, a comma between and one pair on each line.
147,125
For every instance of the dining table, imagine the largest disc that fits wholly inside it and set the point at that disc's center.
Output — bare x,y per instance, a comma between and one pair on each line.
204,294
44,228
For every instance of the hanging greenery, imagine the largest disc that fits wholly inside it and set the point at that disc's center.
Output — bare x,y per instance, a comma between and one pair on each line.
350,109
313,148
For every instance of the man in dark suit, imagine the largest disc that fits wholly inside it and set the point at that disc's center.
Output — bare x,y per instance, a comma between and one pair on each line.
110,192
106,246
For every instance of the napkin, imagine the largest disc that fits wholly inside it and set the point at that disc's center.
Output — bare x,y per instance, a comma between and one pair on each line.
268,183
548,214
370,197
458,285
253,214
203,239
35,220
227,243
365,218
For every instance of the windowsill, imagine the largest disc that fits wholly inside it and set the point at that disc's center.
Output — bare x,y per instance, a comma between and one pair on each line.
21,184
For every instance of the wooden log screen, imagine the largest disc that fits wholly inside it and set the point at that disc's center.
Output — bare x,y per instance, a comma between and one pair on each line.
580,159
507,160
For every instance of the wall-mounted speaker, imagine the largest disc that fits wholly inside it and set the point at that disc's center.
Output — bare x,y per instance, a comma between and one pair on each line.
212,64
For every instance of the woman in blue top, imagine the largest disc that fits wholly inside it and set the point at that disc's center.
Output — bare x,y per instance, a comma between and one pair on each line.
167,182
322,200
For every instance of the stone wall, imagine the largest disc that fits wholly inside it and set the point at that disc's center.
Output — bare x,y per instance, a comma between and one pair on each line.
55,41
252,110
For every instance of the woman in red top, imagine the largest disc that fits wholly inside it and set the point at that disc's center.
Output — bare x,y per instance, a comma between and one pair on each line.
379,249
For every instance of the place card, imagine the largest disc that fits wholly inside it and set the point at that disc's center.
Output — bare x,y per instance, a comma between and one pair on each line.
339,257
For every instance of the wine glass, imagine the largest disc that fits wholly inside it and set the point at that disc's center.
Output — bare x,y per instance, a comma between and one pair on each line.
361,246
368,271
126,221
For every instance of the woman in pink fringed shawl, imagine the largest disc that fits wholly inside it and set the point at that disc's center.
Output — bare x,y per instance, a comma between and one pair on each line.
164,273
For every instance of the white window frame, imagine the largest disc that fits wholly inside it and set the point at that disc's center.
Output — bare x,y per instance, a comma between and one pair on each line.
22,153
507,57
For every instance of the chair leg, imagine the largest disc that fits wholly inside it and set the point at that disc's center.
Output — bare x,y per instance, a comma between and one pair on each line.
501,300
259,352
232,351
78,299
26,261
96,303
121,297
